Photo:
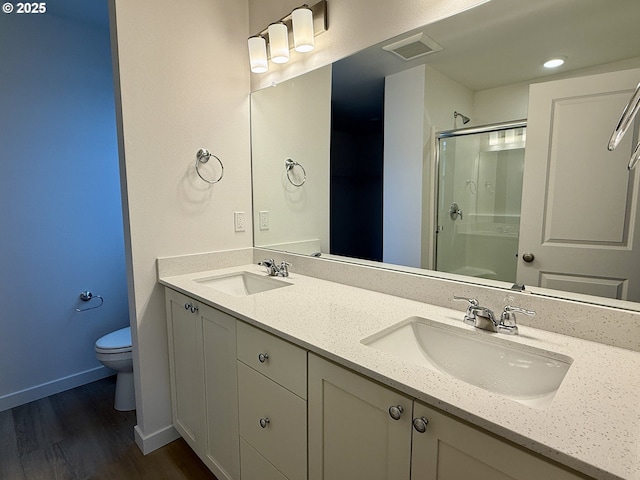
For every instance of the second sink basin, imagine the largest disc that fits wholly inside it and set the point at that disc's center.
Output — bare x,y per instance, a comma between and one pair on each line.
525,374
242,284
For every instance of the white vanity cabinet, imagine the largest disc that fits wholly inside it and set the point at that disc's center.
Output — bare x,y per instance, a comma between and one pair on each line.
361,429
203,372
272,393
256,407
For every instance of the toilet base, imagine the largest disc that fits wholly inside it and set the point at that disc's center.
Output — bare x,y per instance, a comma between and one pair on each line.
125,400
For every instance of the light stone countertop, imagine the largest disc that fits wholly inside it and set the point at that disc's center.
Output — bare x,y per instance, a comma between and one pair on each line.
592,425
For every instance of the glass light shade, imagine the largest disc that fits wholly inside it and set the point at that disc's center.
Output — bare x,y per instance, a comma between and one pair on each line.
303,37
279,43
258,54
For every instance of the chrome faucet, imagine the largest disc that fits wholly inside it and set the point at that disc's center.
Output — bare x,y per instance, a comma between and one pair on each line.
270,265
274,270
484,319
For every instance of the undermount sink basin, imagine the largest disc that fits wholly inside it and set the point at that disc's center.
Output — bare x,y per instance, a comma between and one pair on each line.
525,374
242,284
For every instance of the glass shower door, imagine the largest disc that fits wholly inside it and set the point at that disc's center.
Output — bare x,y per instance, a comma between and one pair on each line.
479,198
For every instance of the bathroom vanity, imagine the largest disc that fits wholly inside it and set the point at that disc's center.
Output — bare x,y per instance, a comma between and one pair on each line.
281,381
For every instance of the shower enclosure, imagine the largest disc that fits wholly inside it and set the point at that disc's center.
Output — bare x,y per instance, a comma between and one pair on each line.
479,195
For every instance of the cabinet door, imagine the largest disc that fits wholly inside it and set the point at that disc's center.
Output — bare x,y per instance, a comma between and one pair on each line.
221,393
283,439
185,367
255,466
351,432
450,449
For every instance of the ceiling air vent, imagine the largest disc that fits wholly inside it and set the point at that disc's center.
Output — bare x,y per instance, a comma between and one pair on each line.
413,47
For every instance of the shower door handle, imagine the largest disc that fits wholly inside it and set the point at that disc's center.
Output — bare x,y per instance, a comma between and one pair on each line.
454,211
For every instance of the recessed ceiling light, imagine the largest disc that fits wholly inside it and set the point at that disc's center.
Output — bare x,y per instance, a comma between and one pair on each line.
554,62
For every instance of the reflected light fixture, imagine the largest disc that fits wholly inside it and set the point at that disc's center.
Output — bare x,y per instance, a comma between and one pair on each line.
304,22
554,62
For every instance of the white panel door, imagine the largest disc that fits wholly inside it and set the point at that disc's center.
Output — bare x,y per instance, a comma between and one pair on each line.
579,201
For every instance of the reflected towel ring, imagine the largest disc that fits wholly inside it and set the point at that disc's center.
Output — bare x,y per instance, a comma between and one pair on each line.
626,119
203,156
289,165
85,297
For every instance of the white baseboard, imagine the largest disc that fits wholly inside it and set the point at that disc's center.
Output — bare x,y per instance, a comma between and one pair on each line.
149,443
43,390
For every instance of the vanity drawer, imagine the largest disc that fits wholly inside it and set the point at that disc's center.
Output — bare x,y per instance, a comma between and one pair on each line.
254,466
283,439
278,359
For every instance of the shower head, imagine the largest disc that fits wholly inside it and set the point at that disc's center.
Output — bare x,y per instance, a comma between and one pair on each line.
464,118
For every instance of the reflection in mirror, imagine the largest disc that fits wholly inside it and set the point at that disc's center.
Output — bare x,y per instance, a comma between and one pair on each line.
381,181
482,169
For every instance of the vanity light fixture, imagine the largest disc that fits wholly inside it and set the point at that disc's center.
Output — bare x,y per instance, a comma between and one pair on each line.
304,22
554,62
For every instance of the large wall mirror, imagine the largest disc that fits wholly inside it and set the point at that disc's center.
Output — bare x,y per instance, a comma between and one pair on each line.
452,151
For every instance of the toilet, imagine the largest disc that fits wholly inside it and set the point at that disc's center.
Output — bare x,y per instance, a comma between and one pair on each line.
114,351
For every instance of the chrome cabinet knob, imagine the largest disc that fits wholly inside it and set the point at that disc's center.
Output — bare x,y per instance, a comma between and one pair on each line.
395,411
263,357
264,422
420,424
193,308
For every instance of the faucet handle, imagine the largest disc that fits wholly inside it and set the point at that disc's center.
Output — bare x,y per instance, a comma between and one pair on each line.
508,319
270,265
469,316
283,270
472,301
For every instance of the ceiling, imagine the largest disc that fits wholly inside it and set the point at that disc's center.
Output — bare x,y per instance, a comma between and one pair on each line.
502,42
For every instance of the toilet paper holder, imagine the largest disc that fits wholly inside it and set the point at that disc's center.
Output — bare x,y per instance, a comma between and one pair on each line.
86,296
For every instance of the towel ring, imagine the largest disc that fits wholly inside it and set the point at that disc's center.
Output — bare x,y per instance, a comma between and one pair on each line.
626,119
85,296
289,165
203,156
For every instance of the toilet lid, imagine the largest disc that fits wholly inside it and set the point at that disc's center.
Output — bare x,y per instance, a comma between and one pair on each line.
118,339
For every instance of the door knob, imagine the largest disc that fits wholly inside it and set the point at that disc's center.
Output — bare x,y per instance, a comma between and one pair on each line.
528,257
454,211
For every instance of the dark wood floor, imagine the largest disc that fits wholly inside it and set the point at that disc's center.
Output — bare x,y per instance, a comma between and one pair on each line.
78,435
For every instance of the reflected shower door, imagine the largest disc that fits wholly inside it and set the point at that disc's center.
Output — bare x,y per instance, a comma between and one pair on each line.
479,199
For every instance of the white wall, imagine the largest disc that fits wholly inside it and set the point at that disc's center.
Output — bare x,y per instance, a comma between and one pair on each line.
403,162
60,211
293,120
184,84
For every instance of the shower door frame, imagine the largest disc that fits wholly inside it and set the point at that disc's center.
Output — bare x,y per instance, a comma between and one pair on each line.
458,132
